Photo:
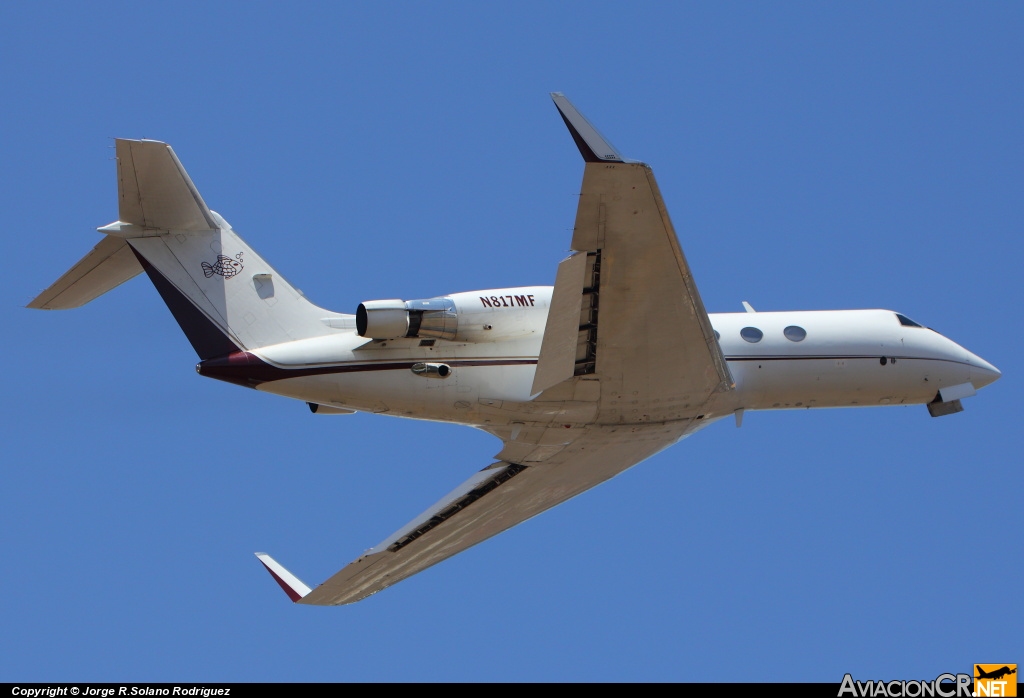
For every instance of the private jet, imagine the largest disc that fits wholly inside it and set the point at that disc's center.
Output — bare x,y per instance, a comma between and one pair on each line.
580,381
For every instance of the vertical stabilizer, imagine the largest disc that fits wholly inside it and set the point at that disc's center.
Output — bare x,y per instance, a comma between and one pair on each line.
222,293
230,285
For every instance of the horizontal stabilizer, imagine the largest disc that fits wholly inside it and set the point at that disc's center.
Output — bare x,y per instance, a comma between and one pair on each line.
154,191
107,266
291,584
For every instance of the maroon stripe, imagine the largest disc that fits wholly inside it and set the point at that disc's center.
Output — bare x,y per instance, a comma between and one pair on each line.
829,357
245,368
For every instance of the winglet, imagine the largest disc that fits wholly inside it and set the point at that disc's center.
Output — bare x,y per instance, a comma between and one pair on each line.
593,146
291,584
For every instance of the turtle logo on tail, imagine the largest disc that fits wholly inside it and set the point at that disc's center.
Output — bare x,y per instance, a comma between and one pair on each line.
225,266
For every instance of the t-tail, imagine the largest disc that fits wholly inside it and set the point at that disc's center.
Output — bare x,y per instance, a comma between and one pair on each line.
225,296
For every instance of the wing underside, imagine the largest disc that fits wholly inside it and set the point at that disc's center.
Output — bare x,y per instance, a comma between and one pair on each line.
643,330
493,500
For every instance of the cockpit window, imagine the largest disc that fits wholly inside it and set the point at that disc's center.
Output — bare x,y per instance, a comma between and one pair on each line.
907,322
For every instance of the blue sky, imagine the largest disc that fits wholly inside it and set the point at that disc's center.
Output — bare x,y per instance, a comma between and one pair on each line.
812,156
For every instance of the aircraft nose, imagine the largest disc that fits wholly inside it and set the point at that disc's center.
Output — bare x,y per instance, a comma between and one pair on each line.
982,372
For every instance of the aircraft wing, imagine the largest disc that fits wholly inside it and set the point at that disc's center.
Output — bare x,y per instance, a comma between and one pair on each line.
625,306
627,343
494,499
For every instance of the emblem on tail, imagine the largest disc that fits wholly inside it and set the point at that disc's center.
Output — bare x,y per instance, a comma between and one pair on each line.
225,266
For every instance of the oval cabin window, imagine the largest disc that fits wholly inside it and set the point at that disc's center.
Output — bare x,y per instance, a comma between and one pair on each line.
795,334
751,334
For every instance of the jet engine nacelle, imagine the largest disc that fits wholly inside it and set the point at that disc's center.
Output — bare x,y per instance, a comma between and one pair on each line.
475,316
382,319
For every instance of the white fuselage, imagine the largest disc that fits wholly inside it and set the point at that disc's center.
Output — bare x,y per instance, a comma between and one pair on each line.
837,358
